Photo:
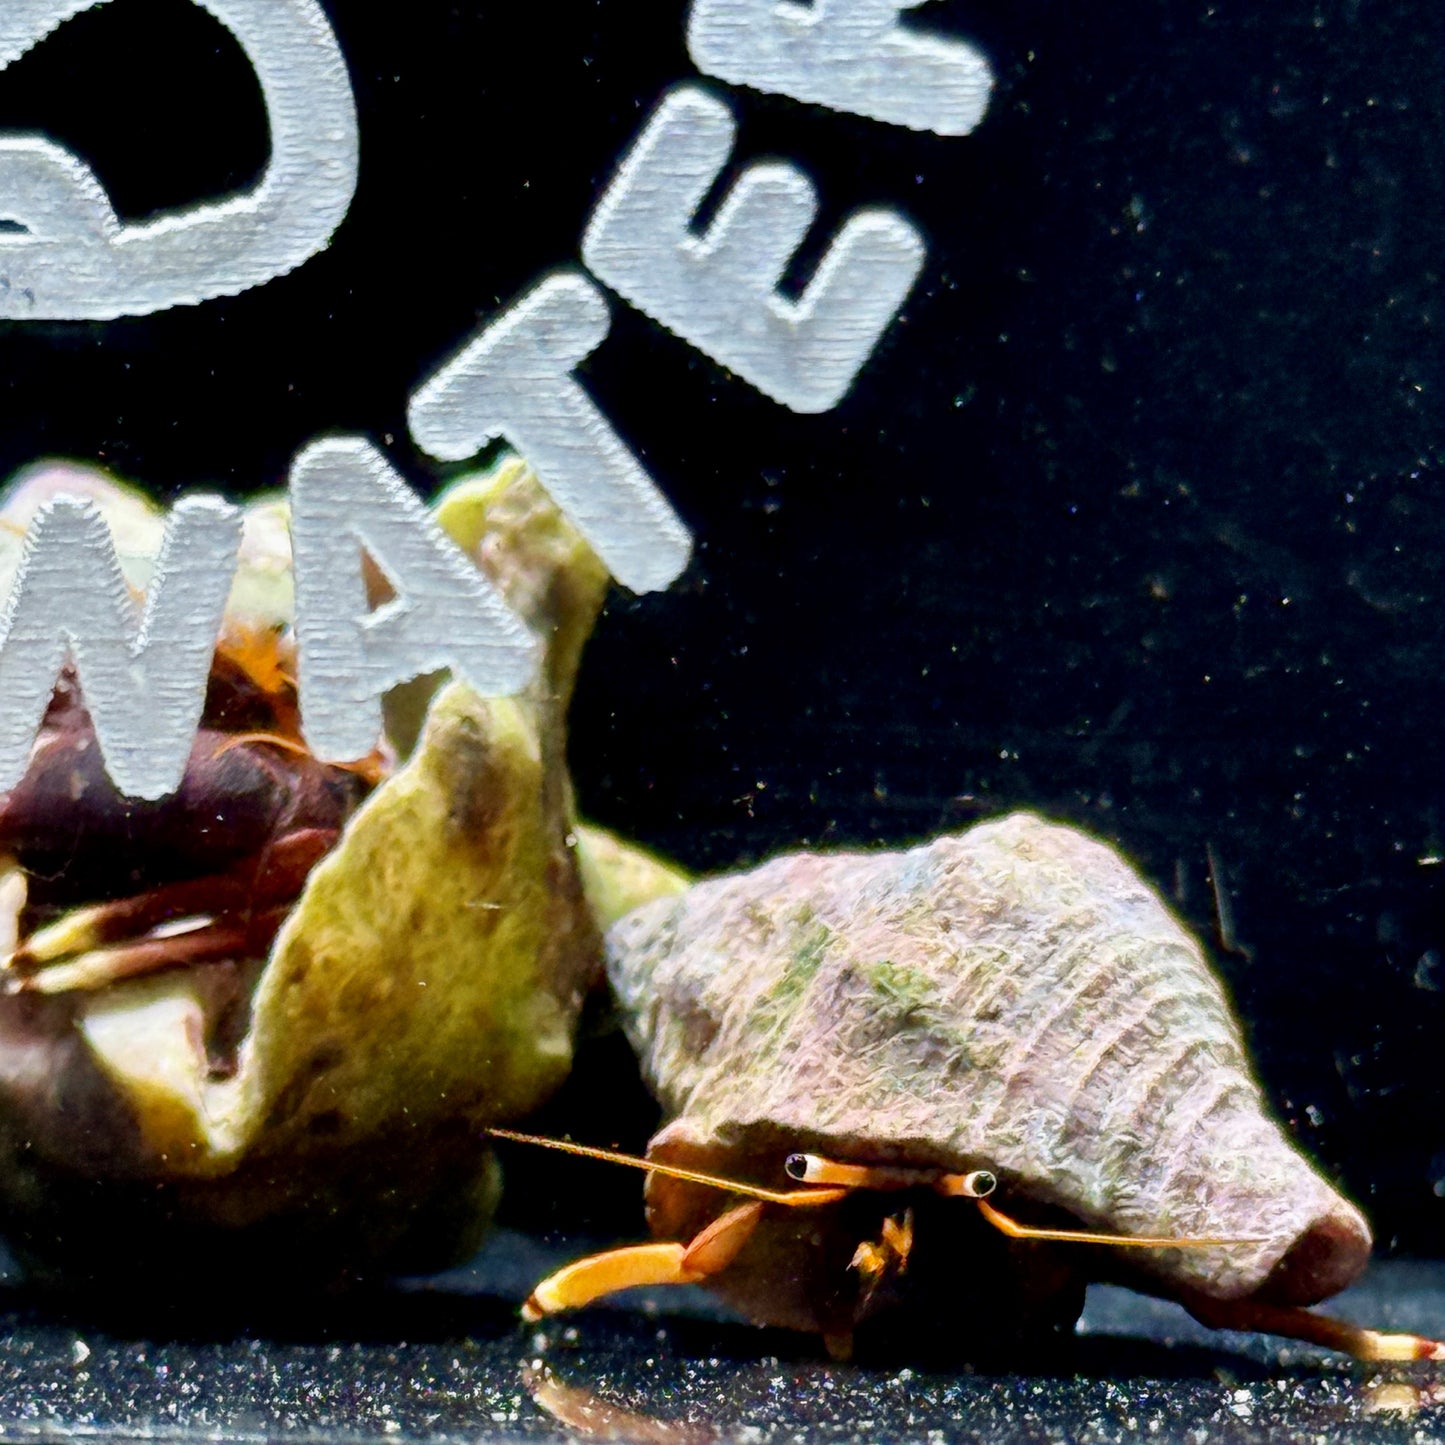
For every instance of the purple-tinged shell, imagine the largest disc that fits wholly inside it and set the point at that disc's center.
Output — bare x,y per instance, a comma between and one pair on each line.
1013,997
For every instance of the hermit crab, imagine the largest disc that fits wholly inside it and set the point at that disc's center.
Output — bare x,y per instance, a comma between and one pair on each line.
970,1076
282,1002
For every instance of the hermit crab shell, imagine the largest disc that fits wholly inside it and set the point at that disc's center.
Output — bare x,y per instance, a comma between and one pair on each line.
1014,997
426,982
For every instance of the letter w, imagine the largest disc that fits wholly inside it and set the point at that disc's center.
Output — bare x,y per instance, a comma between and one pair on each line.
143,678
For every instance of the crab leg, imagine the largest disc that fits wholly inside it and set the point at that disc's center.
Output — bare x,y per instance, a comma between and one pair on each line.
273,876
876,1259
596,1275
1296,1323
708,1252
589,1279
198,940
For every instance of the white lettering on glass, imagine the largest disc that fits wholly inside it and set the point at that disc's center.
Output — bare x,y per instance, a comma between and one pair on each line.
849,55
345,496
74,260
515,380
719,291
70,257
143,679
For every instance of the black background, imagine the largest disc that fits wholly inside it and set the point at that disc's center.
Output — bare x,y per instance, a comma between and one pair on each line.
1134,517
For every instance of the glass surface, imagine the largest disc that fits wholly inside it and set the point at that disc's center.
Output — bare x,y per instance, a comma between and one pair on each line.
1130,520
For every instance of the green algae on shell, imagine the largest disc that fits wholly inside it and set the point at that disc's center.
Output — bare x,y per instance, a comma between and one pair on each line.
426,982
1014,998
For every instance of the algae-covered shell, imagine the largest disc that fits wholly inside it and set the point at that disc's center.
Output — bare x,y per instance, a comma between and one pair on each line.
1014,998
328,1094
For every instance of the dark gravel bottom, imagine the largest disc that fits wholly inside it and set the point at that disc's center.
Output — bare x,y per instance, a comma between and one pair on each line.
445,1360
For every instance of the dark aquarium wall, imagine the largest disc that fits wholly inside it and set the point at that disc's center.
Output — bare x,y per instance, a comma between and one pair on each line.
1134,518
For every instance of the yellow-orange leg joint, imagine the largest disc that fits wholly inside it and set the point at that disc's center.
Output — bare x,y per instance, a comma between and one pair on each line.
590,1279
598,1275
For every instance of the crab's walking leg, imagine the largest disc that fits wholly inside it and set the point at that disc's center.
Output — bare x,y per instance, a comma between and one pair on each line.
198,940
589,1279
710,1251
273,876
1295,1323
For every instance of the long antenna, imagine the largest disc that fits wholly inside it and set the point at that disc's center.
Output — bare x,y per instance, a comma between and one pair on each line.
793,1197
1015,1230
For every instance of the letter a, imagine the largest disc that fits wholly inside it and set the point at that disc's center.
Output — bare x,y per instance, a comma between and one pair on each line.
143,680
345,496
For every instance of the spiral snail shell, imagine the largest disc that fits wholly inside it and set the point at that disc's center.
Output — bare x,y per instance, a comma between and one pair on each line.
1012,998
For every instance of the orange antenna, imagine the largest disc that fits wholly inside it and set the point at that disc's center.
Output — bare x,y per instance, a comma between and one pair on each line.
1015,1230
793,1197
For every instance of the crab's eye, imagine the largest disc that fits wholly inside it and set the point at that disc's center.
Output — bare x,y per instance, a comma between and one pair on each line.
979,1183
814,1169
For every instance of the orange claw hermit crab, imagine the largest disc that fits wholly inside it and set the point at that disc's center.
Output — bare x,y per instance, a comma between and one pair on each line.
279,1004
970,1076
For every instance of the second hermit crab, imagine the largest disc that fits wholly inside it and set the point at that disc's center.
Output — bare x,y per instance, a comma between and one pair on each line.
276,1008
